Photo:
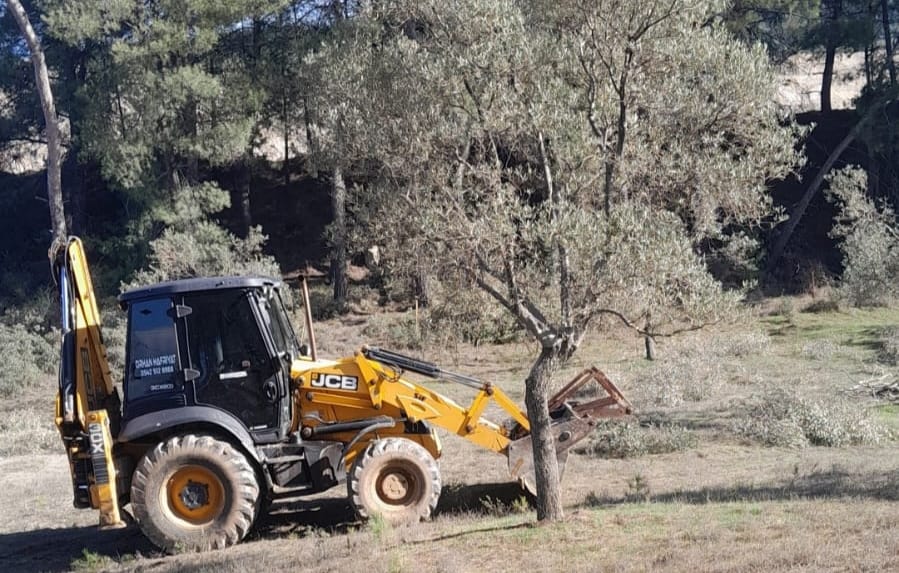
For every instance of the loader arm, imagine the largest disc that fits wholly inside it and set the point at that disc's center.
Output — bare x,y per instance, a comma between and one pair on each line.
376,386
88,406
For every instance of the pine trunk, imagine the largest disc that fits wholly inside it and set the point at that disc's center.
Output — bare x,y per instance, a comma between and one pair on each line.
546,466
338,238
54,143
888,40
246,184
831,10
827,77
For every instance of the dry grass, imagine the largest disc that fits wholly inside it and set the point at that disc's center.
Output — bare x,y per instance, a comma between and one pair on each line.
721,504
674,536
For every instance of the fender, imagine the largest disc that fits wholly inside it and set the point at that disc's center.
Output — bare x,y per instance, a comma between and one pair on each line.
164,419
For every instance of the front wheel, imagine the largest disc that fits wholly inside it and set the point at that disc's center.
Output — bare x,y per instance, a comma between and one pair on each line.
194,492
396,479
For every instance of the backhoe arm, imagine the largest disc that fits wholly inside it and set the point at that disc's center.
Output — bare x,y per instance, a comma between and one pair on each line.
87,403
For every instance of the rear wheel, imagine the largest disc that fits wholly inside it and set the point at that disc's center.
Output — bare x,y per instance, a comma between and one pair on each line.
193,492
395,478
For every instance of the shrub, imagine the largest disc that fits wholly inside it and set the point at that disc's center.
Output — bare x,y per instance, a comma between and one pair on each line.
869,241
31,356
782,418
204,249
819,349
468,317
29,430
114,333
670,383
723,344
397,331
888,346
628,440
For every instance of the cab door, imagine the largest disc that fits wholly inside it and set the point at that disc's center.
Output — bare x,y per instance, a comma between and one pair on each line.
234,368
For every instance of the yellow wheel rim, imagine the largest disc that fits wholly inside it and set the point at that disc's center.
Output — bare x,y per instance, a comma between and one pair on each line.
397,486
195,494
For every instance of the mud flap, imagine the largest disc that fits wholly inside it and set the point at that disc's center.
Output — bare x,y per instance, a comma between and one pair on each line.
566,433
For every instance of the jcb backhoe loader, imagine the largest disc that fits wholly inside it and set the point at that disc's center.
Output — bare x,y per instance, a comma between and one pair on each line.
223,411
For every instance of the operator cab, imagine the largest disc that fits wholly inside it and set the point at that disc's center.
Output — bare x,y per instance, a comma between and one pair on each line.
224,343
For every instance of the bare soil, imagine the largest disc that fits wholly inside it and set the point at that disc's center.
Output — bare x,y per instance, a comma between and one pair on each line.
726,504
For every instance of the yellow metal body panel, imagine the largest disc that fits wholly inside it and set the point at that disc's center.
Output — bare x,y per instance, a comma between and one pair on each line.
93,381
355,388
103,491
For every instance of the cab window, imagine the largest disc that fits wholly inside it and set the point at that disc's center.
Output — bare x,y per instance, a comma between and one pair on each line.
153,349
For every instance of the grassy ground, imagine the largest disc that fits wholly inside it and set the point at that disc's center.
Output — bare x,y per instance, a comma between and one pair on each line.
718,501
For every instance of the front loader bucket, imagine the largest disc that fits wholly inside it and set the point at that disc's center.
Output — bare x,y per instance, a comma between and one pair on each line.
572,422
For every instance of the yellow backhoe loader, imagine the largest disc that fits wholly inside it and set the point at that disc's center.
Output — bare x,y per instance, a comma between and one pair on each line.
223,411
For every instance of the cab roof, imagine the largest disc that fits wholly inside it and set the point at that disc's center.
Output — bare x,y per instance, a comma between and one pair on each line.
196,285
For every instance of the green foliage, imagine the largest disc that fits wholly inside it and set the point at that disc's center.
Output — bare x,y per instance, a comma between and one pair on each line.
204,249
91,561
498,508
869,242
115,332
672,382
498,171
163,94
888,346
470,318
629,440
168,92
31,357
379,527
29,343
638,489
782,26
782,418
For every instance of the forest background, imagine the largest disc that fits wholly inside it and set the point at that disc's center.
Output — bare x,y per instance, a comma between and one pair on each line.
501,167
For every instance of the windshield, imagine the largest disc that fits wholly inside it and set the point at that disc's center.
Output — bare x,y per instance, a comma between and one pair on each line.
276,317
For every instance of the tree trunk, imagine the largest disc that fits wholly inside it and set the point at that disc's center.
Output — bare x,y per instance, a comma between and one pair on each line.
246,183
831,12
888,40
546,466
338,238
827,77
54,144
421,287
813,187
650,344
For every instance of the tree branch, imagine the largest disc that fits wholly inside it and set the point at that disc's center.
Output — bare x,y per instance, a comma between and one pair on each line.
650,333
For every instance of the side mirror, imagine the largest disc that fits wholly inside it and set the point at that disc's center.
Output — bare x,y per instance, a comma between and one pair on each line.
304,350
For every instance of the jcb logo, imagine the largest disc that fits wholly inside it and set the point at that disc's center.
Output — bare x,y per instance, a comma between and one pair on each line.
95,432
335,382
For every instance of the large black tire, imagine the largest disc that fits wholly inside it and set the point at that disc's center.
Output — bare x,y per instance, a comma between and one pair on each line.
194,492
396,479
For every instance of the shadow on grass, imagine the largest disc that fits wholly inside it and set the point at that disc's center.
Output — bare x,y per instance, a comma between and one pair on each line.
334,515
56,549
306,515
483,498
820,485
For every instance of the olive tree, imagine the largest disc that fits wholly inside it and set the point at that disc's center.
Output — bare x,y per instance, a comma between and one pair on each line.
568,158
